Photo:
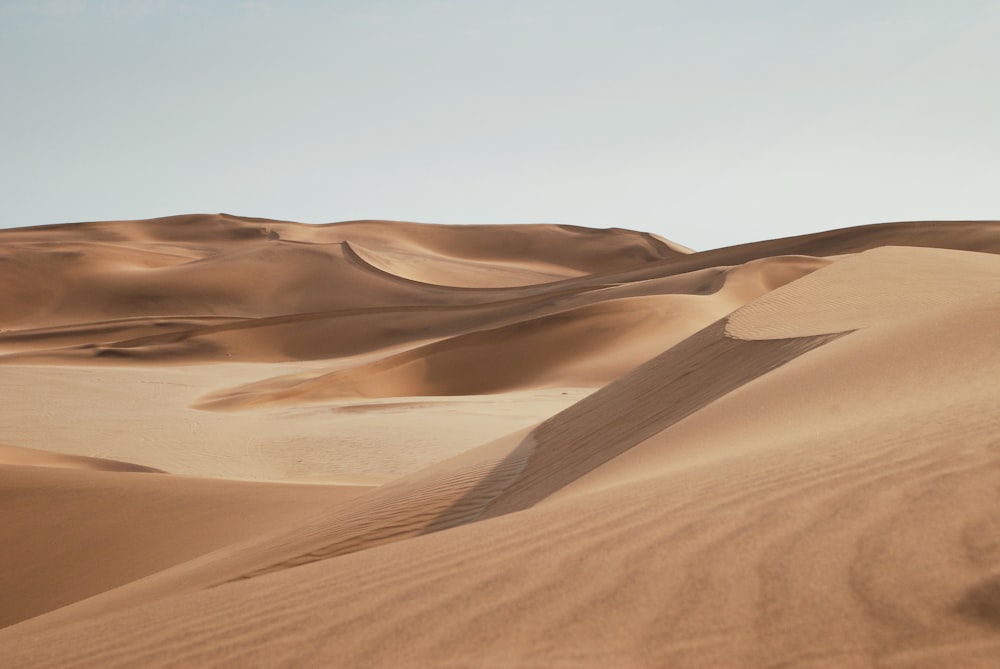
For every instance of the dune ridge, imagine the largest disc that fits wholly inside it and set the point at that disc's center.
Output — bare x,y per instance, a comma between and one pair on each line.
498,446
13,455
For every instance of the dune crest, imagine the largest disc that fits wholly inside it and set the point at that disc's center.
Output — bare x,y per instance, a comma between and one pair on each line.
400,444
29,457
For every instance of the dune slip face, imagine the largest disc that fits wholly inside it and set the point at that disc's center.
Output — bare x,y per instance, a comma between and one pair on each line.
232,441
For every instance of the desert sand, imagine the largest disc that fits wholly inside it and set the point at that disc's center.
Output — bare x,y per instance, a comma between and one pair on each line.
239,442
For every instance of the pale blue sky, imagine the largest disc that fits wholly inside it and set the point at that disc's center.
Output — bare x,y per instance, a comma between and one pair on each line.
709,122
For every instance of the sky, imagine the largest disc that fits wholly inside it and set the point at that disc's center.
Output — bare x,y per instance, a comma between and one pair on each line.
709,122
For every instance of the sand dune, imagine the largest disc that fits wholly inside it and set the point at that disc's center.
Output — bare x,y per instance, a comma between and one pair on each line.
13,455
90,531
498,446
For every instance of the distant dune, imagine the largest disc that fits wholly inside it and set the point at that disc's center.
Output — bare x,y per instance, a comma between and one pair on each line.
239,442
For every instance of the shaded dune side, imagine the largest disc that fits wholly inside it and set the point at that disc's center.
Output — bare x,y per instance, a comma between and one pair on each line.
301,268
680,382
105,275
814,552
580,347
580,249
298,336
551,342
415,265
196,314
30,457
113,330
930,374
279,278
676,384
574,249
450,493
559,450
687,377
70,533
509,475
811,552
566,249
457,492
445,495
316,335
419,266
809,560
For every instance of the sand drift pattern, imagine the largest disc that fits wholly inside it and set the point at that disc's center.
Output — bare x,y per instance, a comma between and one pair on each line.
242,442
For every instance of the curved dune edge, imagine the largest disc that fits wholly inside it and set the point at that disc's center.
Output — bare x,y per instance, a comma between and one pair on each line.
344,332
615,329
868,288
780,453
30,457
860,504
48,287
74,532
511,474
444,495
97,271
941,356
412,266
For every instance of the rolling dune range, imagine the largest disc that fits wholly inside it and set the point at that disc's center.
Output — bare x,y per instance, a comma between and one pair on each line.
229,441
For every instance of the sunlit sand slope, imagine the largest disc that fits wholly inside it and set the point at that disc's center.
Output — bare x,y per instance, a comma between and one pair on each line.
528,446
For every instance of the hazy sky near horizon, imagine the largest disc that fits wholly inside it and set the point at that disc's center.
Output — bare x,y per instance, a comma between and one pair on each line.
710,122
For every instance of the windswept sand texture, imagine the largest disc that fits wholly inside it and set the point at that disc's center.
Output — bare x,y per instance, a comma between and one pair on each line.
241,442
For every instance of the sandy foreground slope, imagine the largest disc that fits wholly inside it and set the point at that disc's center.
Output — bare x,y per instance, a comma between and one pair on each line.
241,442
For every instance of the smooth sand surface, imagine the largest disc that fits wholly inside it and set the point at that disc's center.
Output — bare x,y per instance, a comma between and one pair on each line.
241,442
